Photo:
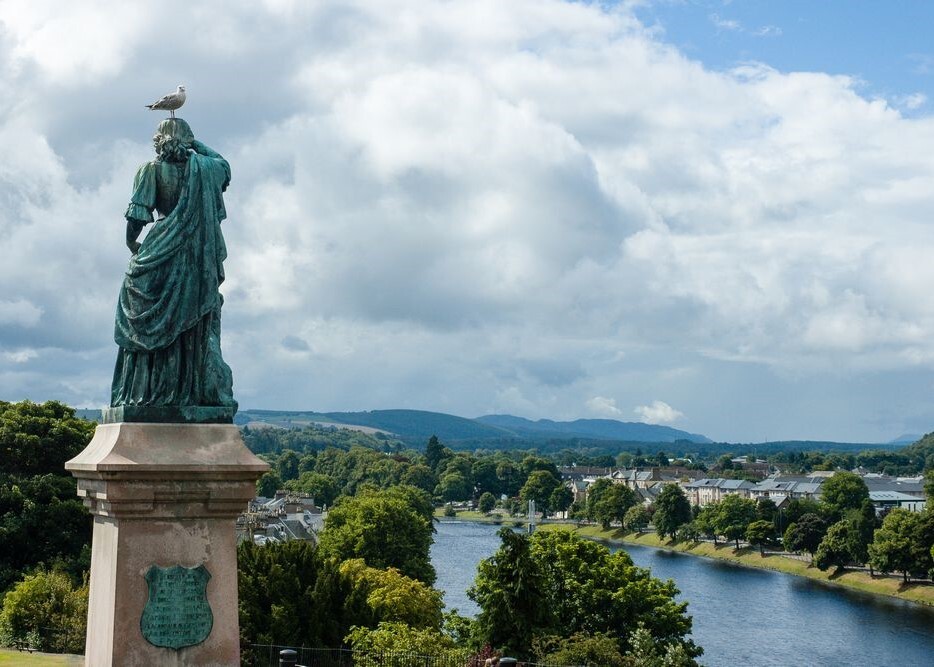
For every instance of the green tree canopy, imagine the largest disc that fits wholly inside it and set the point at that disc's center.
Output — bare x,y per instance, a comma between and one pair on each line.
834,549
486,503
385,528
556,583
392,596
672,510
539,487
510,590
733,516
759,533
844,491
48,611
42,521
320,487
636,518
893,545
400,640
805,534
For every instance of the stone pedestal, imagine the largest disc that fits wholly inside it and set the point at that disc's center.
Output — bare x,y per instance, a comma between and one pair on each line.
164,495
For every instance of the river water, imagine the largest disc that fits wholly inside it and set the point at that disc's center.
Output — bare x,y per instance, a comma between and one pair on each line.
742,616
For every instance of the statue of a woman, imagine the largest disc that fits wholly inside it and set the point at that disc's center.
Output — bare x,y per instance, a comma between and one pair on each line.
169,314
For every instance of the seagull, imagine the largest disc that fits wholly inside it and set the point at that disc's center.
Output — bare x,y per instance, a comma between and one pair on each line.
169,102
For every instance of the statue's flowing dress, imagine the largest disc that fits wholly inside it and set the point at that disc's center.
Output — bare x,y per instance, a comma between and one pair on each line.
168,314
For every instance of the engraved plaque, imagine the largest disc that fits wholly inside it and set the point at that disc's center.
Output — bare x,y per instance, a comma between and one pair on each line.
177,613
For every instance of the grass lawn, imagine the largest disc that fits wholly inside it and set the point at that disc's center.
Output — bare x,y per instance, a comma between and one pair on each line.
15,658
921,592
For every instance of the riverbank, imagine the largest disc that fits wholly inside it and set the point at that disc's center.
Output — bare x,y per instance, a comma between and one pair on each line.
915,591
890,586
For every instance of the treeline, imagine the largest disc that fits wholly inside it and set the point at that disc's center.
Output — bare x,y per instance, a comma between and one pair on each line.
45,530
841,530
445,475
313,438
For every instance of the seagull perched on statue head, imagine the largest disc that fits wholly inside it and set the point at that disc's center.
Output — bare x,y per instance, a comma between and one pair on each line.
169,102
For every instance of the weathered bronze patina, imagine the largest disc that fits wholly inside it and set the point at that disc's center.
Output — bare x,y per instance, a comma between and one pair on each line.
177,613
168,324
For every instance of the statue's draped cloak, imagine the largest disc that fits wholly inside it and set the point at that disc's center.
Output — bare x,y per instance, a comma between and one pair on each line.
168,314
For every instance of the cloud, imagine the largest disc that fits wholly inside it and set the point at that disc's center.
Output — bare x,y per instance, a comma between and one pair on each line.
910,102
476,207
730,25
658,412
767,31
603,406
19,313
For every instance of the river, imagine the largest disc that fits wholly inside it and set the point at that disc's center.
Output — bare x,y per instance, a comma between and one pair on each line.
742,616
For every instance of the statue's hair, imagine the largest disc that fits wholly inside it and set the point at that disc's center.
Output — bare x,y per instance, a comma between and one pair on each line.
170,149
172,140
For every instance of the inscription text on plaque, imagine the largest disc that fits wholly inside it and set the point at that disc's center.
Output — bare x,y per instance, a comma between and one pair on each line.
177,613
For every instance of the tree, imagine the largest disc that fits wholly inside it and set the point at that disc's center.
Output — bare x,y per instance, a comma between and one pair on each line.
38,438
759,533
766,510
706,522
391,596
590,590
929,486
453,486
287,465
400,640
421,477
484,475
863,523
290,594
672,510
922,539
320,487
48,610
608,502
561,499
636,519
647,652
834,549
434,453
43,524
386,528
581,649
510,477
510,590
268,484
806,534
891,549
844,491
539,487
733,516
486,503
595,493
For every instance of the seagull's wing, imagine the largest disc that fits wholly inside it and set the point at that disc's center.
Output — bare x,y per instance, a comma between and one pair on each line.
165,99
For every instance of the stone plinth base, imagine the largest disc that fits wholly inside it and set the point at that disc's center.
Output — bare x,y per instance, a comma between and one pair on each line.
163,495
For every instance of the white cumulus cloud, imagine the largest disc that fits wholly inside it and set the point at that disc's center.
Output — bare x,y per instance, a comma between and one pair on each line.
603,406
658,412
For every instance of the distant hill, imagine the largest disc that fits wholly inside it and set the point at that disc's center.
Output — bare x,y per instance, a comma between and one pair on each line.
421,424
905,439
416,426
593,429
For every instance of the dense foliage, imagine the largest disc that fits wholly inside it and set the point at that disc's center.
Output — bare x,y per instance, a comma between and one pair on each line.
46,611
557,584
43,524
385,528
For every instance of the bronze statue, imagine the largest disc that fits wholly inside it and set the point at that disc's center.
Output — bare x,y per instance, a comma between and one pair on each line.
169,367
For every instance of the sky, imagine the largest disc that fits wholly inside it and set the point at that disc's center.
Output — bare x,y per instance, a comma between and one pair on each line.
711,215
